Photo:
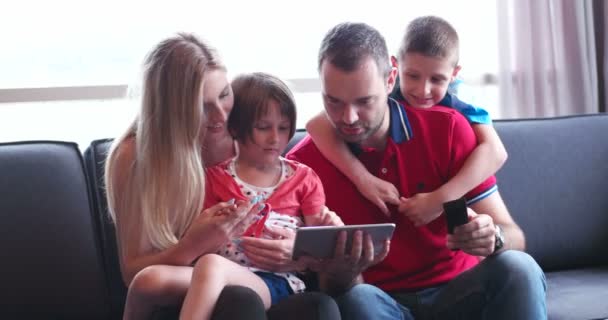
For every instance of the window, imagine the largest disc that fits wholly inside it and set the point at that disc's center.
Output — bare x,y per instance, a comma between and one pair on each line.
76,43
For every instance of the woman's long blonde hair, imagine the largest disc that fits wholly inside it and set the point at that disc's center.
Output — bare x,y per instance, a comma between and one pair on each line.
164,188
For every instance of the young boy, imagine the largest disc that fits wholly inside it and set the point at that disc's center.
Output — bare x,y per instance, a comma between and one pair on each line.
428,62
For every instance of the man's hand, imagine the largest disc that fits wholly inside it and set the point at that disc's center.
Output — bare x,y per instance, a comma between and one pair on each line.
340,271
476,237
422,208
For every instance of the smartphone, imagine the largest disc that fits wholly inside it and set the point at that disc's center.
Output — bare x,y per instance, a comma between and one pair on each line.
456,213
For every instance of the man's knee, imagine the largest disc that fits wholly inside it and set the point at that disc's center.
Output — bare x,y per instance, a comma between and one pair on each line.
520,267
362,293
365,301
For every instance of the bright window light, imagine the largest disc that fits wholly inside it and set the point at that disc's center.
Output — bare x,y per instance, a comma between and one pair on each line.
83,43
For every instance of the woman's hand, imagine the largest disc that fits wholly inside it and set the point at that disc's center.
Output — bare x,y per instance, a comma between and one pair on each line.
218,224
272,254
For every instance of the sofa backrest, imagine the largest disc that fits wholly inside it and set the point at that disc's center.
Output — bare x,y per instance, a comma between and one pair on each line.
555,185
50,262
95,159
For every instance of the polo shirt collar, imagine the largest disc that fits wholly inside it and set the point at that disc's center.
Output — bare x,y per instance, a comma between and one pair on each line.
399,129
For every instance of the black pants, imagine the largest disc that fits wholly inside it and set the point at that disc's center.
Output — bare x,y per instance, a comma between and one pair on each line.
242,303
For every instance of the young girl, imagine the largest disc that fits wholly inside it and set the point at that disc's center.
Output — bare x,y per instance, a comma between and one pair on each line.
428,63
262,122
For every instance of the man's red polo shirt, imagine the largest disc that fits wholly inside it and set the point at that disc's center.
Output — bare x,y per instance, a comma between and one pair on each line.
425,148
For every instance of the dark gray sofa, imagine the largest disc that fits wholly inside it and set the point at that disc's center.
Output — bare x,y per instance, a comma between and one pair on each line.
555,184
58,253
51,264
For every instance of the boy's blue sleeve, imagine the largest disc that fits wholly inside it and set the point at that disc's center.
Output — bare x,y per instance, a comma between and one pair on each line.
475,115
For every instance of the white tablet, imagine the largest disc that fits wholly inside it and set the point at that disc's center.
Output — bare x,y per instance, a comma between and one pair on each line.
320,242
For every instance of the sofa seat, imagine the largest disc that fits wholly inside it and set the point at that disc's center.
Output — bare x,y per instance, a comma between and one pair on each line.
568,291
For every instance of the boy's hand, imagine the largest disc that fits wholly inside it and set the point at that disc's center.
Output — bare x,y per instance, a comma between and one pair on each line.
421,208
379,192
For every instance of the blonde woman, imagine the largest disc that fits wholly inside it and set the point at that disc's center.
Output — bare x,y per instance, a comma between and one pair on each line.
155,187
155,179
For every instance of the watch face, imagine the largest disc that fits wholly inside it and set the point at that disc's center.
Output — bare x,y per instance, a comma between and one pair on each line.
498,245
499,240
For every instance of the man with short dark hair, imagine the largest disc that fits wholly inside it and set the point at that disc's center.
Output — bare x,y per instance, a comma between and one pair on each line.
427,273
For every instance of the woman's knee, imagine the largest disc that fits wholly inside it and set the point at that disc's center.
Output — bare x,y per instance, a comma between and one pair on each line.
159,281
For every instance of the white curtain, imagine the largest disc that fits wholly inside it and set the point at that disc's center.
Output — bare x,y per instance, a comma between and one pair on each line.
547,55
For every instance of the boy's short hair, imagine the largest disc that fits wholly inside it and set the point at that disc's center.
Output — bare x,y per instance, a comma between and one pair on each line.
252,93
430,36
348,44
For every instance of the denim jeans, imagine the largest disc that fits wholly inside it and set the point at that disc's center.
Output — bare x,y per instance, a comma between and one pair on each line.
509,285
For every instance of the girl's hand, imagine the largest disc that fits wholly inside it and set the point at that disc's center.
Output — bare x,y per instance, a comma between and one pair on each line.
272,254
328,218
421,208
379,192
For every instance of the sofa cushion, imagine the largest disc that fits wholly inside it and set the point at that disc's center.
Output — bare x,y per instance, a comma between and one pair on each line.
554,184
51,264
95,158
577,294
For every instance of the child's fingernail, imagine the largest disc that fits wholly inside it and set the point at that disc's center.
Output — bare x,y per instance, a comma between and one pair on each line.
256,199
231,201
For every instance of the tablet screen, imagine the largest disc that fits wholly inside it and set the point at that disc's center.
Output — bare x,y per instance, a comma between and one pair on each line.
320,242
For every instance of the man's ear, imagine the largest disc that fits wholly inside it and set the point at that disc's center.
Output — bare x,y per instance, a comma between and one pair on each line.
394,62
455,72
392,78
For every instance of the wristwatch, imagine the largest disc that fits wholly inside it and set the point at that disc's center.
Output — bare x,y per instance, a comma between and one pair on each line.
499,238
